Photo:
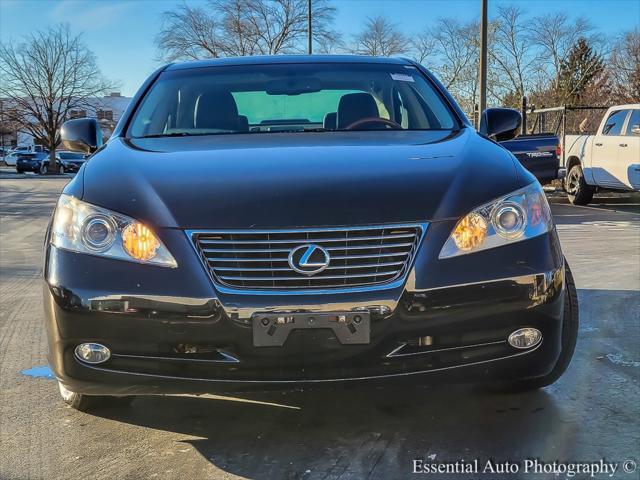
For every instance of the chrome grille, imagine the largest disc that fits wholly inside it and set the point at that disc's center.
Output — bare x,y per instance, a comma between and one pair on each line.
256,260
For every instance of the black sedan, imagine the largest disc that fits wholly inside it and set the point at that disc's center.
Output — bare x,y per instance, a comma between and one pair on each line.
278,222
69,162
31,161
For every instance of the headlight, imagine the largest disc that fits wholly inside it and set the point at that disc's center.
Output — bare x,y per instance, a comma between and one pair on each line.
85,228
518,216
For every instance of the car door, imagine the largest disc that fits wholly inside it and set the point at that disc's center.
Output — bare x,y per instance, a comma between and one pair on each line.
629,153
10,159
607,171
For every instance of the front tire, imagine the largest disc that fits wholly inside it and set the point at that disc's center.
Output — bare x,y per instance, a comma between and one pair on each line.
569,338
89,403
579,192
44,168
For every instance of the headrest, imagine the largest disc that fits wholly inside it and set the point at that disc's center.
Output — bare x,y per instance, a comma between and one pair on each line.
217,110
354,107
329,122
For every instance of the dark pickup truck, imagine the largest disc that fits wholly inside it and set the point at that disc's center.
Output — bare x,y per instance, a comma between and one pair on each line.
540,154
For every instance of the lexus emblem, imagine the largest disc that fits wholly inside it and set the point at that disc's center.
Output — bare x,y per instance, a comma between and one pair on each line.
309,259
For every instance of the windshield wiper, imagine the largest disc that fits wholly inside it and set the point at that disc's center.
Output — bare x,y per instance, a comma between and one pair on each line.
195,134
184,134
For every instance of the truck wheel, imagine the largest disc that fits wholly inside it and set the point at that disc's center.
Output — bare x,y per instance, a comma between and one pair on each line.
44,168
579,192
89,403
569,337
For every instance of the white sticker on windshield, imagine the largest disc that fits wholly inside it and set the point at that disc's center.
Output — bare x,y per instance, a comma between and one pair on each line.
401,77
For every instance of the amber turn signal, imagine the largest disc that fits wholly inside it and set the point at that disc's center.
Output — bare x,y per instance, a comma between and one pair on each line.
470,232
139,242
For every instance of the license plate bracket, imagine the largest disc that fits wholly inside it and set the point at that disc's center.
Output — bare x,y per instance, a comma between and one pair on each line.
273,329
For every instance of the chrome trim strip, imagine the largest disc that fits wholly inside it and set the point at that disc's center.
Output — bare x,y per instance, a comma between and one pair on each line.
256,269
284,259
328,380
306,240
307,229
388,285
281,250
394,353
315,277
227,358
503,279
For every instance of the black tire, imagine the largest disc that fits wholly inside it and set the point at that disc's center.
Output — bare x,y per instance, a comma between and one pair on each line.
579,192
19,170
570,326
44,168
61,170
90,403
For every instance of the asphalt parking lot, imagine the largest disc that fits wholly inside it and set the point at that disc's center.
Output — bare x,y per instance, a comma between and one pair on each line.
591,414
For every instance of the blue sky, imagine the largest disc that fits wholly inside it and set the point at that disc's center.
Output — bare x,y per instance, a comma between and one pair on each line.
121,32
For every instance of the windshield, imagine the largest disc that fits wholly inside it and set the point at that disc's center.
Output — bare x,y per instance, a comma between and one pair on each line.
71,156
290,98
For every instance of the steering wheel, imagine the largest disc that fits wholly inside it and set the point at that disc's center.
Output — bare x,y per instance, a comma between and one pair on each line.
367,120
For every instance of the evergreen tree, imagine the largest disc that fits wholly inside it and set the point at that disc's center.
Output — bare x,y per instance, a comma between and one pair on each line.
578,72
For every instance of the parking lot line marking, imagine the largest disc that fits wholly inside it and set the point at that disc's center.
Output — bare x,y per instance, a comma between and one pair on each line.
42,371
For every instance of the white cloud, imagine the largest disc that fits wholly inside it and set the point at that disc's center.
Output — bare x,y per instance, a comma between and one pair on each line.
89,15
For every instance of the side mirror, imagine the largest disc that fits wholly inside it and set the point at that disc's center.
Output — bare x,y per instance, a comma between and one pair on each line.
635,129
501,124
81,135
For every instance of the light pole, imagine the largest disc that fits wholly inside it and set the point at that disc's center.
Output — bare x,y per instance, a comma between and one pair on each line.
483,56
309,29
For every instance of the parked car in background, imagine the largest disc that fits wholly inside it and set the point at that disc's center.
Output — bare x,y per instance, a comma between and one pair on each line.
10,158
69,162
610,159
540,154
30,149
291,221
32,162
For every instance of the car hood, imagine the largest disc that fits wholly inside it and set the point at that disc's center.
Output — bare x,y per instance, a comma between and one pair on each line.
295,180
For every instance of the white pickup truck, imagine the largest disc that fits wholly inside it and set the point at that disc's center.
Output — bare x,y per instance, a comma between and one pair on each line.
609,159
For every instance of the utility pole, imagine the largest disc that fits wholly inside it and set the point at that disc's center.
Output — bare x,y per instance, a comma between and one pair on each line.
309,29
483,55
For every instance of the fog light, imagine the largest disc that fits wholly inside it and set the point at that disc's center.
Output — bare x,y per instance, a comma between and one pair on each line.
92,353
525,338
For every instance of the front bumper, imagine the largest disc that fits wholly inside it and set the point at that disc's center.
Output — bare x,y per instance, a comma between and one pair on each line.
562,173
170,331
71,167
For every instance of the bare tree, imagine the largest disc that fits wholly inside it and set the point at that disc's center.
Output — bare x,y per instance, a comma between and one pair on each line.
188,33
46,76
624,67
380,37
512,53
423,47
242,27
457,48
555,34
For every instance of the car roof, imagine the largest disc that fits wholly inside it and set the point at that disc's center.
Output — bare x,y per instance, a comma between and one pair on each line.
286,59
626,106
